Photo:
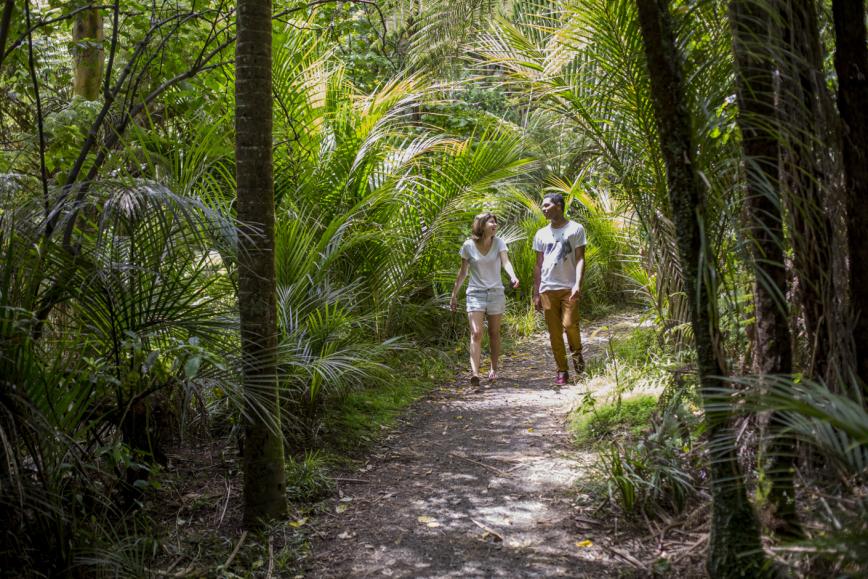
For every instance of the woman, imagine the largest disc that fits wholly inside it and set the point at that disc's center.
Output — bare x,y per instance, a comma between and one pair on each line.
483,254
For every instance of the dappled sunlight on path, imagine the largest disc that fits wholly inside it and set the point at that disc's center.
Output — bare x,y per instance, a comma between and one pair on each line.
474,484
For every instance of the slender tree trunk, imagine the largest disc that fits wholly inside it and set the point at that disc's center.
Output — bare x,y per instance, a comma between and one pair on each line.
88,54
264,477
851,64
734,545
751,24
805,139
5,25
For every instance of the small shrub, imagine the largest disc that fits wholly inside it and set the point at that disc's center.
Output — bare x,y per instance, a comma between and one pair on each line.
307,479
630,415
660,472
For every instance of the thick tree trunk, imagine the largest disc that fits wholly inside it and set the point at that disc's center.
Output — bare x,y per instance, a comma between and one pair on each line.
734,545
851,64
264,476
806,138
88,54
751,25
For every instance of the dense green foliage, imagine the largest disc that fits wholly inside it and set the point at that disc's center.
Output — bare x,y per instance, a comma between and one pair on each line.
394,124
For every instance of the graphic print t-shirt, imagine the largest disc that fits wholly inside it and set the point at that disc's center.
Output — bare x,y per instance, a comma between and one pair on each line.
558,247
484,269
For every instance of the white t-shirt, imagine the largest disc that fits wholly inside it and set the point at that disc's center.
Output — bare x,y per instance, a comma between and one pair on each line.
559,255
484,269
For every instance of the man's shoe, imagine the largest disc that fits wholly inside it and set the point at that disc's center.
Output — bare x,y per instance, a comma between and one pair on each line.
562,379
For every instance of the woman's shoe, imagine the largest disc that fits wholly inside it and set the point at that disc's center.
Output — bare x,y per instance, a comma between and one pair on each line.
474,381
492,375
562,378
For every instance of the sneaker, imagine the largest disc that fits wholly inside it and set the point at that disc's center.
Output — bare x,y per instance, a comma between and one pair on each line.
474,381
562,379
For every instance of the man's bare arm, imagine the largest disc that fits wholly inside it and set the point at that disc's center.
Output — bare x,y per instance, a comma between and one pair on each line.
580,273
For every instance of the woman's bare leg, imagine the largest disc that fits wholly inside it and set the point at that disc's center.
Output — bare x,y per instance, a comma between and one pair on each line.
494,343
477,320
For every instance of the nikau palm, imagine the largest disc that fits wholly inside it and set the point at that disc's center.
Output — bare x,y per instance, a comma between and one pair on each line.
734,545
264,476
752,45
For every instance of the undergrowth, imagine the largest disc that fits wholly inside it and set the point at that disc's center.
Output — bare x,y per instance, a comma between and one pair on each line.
638,414
353,419
630,415
358,418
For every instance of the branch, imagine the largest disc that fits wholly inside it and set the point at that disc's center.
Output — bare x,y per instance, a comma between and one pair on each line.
39,125
114,45
119,129
93,133
110,96
33,28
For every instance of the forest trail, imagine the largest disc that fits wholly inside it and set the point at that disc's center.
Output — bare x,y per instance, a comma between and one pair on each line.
475,483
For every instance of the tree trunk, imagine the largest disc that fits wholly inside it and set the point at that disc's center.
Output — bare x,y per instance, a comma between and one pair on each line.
851,64
734,545
264,476
751,26
88,54
5,26
805,139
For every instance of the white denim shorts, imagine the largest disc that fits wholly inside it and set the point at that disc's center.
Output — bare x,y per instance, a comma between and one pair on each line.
491,301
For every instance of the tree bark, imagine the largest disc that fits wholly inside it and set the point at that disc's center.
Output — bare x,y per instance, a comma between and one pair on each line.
805,135
752,37
851,64
734,545
264,476
88,54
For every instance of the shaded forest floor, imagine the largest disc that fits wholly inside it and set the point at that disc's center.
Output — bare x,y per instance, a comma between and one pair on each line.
471,483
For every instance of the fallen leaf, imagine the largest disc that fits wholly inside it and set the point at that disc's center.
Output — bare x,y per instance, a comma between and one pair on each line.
342,507
585,543
297,523
426,520
344,535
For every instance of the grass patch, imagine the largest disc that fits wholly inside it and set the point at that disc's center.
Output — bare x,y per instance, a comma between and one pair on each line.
636,348
521,320
631,415
359,417
639,350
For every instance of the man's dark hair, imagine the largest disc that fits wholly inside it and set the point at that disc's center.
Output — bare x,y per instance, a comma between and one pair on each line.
556,198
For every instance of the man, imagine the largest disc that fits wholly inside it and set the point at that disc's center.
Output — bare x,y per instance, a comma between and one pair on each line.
560,265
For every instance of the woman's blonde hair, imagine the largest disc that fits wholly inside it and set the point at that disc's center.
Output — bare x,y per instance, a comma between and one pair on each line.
477,230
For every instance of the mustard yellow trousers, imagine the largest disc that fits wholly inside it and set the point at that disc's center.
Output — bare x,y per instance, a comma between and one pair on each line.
561,316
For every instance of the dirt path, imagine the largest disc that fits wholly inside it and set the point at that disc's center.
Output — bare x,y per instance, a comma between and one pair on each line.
474,484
